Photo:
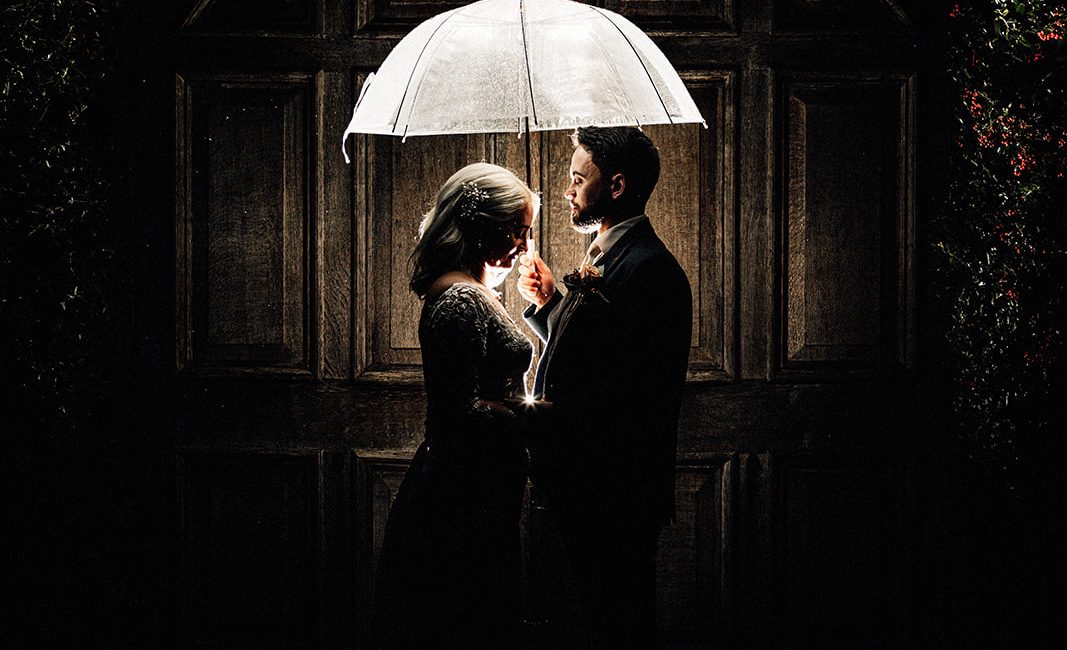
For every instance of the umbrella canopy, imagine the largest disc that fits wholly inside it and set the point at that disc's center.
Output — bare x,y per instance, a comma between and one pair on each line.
521,65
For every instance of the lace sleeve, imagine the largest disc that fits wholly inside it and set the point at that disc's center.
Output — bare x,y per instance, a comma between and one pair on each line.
454,353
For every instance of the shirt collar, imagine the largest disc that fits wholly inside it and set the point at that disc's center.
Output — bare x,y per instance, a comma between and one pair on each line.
605,240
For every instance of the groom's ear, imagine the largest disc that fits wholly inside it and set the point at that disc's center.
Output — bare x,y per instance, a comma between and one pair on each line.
618,186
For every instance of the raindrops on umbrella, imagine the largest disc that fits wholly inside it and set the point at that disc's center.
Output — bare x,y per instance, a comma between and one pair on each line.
499,66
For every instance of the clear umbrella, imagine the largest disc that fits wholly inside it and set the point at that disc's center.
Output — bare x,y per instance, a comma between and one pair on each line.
521,65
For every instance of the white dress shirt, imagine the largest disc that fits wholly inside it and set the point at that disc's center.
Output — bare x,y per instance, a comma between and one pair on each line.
605,240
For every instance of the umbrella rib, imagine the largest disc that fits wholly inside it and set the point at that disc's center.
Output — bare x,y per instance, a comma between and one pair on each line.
407,86
642,61
526,55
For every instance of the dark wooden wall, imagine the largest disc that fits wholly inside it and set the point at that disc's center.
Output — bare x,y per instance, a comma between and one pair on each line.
278,336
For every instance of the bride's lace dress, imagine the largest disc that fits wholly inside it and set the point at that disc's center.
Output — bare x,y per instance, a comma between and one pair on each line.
449,569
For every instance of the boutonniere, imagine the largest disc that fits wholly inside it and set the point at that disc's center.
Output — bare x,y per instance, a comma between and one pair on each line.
587,281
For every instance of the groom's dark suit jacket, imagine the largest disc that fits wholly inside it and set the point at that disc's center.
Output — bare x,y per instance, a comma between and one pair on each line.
614,370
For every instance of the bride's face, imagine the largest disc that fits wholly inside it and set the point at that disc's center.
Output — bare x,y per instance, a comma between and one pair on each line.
512,245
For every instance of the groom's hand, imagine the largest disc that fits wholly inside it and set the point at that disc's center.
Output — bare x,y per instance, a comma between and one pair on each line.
535,282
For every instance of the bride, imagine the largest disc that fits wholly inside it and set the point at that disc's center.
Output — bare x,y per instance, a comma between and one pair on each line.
449,569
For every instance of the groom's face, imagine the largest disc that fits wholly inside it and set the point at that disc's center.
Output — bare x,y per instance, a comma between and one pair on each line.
589,195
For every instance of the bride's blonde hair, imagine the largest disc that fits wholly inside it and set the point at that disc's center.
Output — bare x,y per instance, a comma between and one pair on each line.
476,202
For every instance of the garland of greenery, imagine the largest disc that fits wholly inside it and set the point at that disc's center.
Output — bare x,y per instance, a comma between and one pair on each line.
1002,238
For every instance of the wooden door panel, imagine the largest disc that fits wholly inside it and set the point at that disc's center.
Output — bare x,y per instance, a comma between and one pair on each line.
692,585
244,299
376,479
847,226
397,16
401,188
692,588
676,15
250,535
262,16
336,262
694,212
826,15
840,543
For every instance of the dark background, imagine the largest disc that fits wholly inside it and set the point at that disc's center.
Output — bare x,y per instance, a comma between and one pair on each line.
102,453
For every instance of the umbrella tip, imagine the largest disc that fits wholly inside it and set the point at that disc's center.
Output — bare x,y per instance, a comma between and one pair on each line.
344,147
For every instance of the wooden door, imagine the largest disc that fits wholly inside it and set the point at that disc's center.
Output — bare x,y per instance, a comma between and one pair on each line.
282,363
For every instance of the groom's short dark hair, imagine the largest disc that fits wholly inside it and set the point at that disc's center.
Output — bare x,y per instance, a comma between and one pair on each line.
622,150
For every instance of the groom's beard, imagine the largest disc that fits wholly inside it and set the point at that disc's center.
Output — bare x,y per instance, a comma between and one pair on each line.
586,222
588,219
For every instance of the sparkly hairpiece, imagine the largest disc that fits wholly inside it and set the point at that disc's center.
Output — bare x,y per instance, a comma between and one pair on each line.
470,202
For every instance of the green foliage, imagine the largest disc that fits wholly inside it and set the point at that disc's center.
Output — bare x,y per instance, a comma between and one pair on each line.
58,225
1002,233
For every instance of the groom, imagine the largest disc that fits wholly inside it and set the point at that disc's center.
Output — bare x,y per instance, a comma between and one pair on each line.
611,377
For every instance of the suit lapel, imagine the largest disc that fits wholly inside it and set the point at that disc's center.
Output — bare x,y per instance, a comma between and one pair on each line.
556,324
617,252
566,308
